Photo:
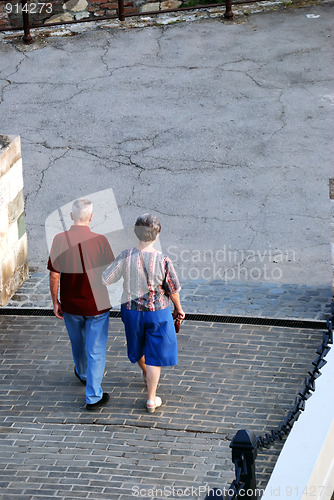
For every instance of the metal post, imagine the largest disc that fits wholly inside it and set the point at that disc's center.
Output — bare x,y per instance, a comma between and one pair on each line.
27,38
244,445
121,15
228,12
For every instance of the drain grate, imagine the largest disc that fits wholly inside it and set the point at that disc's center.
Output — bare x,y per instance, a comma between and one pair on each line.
210,318
248,320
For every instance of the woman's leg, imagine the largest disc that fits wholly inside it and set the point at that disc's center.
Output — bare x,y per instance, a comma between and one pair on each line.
142,365
134,333
152,376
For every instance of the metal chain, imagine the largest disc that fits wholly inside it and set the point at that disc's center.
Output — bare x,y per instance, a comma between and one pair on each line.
285,427
309,387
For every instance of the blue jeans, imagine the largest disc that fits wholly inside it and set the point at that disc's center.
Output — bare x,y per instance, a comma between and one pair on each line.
88,336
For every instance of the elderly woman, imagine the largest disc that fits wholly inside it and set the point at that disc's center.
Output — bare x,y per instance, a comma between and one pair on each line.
150,282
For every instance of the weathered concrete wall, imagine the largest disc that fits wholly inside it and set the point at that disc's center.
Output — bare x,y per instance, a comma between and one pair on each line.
13,237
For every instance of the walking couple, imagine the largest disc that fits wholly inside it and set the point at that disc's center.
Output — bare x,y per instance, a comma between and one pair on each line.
81,264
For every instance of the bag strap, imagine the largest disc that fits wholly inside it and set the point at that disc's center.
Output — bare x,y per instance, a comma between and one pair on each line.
81,258
146,273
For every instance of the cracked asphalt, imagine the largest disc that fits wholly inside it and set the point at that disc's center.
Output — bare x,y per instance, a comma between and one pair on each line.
224,130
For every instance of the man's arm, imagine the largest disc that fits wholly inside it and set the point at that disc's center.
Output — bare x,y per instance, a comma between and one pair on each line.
54,287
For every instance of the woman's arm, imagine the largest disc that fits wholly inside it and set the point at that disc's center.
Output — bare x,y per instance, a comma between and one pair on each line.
113,272
178,311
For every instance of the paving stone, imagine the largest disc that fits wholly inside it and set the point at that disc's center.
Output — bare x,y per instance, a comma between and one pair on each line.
217,297
236,376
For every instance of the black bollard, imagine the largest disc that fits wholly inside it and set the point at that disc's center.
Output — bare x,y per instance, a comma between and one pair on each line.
244,449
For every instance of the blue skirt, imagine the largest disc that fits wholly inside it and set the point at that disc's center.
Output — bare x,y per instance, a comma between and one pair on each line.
150,334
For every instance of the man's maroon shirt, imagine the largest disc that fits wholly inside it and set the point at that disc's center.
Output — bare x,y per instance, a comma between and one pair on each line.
81,256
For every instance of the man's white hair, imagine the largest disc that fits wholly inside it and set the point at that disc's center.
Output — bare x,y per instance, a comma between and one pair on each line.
82,210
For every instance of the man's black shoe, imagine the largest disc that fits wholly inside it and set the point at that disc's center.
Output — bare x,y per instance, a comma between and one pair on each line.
82,381
103,401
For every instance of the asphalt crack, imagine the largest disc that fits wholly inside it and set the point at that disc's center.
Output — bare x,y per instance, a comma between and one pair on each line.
8,78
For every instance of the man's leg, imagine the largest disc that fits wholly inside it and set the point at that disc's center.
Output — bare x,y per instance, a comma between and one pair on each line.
96,347
75,326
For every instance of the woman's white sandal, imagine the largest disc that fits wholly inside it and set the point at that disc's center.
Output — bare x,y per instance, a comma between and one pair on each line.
151,405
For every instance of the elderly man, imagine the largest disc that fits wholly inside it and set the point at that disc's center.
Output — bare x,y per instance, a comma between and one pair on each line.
78,257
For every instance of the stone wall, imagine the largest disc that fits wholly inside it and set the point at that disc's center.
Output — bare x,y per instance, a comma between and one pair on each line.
62,11
13,237
11,11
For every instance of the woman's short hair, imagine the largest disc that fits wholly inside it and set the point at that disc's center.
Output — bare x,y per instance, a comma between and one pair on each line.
147,227
82,210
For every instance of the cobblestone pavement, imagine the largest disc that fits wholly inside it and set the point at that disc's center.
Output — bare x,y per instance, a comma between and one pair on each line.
217,297
239,377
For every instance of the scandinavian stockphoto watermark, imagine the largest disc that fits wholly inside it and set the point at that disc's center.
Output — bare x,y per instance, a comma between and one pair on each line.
224,263
189,492
230,264
199,492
